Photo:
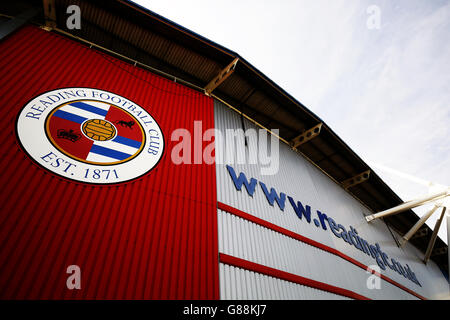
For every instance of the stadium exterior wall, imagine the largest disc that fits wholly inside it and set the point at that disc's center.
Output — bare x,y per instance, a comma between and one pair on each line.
177,231
263,242
154,237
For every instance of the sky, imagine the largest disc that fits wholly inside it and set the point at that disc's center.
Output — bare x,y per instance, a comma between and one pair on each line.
377,72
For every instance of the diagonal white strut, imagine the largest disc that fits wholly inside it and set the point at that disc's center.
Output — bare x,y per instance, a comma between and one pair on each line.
434,236
440,198
410,204
418,224
448,237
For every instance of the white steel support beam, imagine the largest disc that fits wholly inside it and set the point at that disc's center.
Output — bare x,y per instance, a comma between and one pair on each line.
434,236
221,77
306,136
356,179
409,205
417,226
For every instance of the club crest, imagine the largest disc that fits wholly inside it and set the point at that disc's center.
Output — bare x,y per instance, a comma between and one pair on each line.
90,135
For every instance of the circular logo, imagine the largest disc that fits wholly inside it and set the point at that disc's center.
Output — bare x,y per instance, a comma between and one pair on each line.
90,135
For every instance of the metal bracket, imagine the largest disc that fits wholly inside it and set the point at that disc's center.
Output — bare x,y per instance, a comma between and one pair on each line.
306,136
430,247
360,178
50,14
221,77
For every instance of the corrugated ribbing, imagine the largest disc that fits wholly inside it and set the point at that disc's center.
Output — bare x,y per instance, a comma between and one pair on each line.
286,276
238,283
296,177
283,250
152,238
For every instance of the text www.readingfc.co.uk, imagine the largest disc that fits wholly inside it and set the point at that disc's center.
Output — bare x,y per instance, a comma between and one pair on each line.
255,310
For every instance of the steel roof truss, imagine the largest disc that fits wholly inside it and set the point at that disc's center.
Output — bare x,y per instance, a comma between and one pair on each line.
353,181
306,136
221,77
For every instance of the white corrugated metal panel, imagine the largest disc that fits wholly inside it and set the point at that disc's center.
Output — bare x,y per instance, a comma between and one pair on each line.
240,284
301,180
249,241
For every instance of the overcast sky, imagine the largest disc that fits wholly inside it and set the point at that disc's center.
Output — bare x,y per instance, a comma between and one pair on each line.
385,91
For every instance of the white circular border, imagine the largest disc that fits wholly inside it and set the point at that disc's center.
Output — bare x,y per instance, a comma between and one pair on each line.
31,133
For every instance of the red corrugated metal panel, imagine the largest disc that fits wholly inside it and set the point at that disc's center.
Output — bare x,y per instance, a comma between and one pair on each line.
151,238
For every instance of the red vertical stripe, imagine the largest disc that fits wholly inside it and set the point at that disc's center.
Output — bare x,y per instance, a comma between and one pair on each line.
152,238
